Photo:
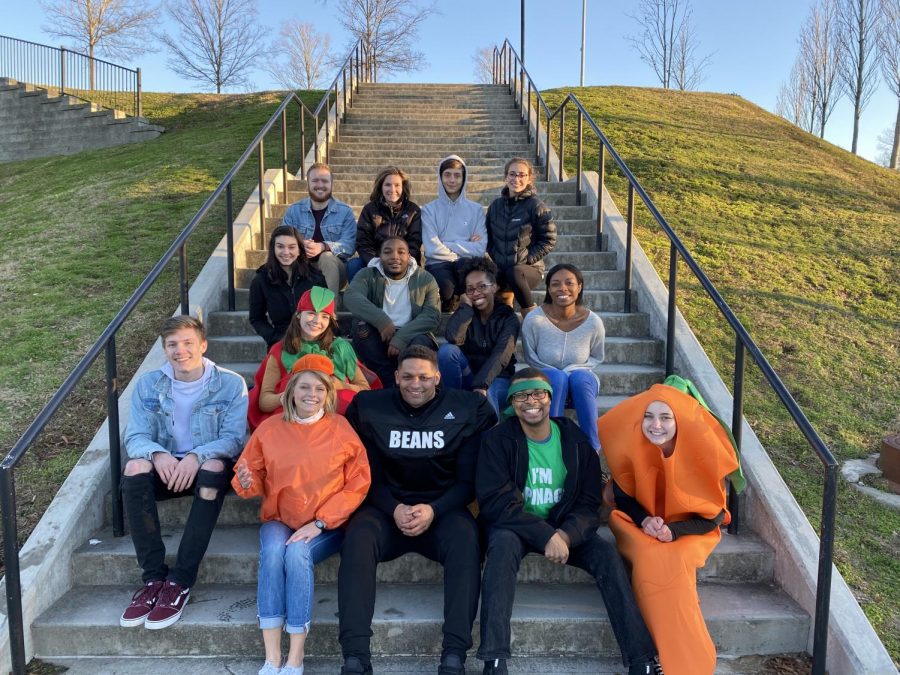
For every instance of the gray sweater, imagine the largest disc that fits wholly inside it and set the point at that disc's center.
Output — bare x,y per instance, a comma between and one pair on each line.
546,346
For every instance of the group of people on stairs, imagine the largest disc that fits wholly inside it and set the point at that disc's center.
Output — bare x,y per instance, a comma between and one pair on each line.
390,443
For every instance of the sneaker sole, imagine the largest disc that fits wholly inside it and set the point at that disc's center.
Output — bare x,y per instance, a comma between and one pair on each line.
165,623
131,623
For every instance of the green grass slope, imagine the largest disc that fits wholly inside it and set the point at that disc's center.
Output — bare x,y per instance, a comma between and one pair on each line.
802,239
79,235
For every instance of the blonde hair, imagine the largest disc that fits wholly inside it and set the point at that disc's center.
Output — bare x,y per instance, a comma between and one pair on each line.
330,393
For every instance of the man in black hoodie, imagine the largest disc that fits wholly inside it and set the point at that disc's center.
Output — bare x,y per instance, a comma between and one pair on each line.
422,445
539,484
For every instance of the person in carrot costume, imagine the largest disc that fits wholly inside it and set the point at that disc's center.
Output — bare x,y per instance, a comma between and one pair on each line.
669,458
312,472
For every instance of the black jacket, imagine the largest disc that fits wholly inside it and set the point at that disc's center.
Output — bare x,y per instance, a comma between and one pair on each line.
379,221
273,305
421,455
490,348
500,479
520,230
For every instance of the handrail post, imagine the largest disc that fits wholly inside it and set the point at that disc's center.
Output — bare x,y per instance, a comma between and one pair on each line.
316,139
13,578
737,427
601,169
327,130
578,159
262,193
337,116
547,149
284,155
528,114
670,319
62,70
113,431
628,237
522,94
562,143
139,107
344,79
537,134
357,66
229,239
183,279
302,143
823,583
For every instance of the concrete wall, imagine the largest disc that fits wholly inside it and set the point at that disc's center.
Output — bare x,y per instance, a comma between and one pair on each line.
34,125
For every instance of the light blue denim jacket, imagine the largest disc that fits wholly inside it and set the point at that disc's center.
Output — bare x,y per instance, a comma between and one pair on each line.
338,225
218,419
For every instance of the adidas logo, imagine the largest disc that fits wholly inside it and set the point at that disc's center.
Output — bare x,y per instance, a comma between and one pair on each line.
449,416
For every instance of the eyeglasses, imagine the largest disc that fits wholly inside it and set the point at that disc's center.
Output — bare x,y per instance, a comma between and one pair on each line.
480,288
513,174
537,395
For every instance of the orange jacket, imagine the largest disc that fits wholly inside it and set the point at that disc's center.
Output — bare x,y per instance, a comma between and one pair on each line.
306,472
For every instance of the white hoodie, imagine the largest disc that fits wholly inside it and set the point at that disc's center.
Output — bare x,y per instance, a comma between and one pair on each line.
396,302
448,224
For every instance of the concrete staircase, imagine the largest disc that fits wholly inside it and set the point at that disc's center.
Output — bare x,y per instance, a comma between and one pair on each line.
35,124
558,612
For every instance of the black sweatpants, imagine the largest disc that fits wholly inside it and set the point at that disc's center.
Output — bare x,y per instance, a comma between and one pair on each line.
374,353
372,537
521,280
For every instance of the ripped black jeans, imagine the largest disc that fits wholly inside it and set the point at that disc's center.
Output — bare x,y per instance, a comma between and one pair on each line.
140,494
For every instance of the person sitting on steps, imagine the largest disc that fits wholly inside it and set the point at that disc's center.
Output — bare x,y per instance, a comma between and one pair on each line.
188,423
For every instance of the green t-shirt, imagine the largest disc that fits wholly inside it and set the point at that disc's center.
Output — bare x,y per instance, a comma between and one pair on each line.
546,474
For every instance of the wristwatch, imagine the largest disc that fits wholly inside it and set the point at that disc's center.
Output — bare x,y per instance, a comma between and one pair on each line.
319,523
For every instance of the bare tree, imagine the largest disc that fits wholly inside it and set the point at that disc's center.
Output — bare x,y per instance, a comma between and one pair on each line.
305,54
883,146
819,55
112,27
889,51
668,44
388,30
857,33
483,65
217,42
796,98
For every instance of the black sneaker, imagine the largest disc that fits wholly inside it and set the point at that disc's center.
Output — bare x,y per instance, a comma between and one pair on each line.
353,666
650,667
451,664
495,667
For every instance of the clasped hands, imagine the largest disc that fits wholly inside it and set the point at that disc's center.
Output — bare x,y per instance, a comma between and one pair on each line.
306,533
654,526
413,520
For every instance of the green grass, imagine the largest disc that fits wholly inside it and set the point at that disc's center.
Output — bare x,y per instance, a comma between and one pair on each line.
803,241
80,234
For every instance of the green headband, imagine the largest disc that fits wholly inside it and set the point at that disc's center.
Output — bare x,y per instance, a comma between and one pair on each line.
522,385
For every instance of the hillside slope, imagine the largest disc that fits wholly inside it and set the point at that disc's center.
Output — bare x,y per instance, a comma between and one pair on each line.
803,240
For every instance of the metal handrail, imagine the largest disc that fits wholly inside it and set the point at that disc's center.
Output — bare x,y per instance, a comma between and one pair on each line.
509,69
107,84
107,340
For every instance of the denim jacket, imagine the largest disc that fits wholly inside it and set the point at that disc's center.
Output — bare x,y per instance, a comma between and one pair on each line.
338,225
218,420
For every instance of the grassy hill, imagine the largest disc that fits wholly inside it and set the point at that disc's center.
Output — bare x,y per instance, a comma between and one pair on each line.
79,235
803,240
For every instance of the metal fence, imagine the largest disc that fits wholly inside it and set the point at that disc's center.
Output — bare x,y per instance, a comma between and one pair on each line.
63,71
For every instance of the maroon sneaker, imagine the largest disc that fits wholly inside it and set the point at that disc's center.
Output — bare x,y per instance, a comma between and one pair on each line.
169,606
142,603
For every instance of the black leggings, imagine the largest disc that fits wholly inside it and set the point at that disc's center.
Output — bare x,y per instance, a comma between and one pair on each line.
521,280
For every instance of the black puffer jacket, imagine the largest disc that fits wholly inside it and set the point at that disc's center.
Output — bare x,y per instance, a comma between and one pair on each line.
489,348
272,305
520,230
378,221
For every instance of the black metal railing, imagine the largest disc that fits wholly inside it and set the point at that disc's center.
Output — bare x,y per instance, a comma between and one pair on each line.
62,71
509,70
342,89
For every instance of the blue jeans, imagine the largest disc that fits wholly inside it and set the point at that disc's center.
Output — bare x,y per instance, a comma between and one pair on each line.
581,387
456,374
285,585
354,265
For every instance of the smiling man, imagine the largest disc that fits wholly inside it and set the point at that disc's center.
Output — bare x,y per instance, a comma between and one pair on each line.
394,304
188,422
327,225
422,444
538,485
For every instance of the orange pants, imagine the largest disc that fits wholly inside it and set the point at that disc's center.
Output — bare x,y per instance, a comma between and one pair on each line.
664,579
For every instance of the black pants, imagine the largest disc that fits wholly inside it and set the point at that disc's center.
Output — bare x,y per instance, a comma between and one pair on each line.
596,556
140,494
446,274
372,537
521,280
373,352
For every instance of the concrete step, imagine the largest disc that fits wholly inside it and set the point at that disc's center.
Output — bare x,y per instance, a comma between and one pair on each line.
548,619
298,187
484,196
276,212
462,127
232,558
450,135
460,147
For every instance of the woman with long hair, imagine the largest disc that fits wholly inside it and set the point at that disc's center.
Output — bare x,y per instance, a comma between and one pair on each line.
311,470
312,330
279,283
566,340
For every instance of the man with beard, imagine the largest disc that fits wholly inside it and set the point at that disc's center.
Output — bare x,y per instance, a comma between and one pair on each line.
395,303
327,225
422,444
538,484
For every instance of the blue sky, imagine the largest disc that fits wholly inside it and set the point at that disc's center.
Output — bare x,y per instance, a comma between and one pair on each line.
753,45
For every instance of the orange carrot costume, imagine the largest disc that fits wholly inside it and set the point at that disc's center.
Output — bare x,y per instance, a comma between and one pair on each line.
306,471
688,484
